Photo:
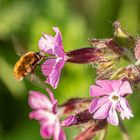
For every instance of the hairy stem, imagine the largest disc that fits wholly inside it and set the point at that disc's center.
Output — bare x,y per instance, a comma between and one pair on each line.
103,134
124,132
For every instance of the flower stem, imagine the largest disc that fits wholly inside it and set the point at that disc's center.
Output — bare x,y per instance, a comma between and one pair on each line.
124,132
103,133
92,130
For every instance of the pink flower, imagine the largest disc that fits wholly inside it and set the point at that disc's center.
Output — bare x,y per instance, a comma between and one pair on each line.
112,94
44,110
53,66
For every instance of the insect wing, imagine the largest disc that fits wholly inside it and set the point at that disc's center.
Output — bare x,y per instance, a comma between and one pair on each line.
36,80
17,46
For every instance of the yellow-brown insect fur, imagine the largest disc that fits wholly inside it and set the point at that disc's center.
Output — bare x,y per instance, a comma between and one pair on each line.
26,64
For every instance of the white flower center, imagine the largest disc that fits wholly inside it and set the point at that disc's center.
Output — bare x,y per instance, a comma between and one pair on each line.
114,97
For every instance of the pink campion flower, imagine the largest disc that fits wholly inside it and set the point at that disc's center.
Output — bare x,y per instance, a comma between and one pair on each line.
52,67
112,98
44,110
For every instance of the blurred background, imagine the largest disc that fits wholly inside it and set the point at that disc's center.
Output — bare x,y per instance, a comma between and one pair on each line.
79,21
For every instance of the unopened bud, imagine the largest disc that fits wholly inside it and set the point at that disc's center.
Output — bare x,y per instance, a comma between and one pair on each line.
123,38
130,73
74,105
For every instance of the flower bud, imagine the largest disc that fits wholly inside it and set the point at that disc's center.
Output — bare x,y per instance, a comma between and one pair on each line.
123,38
102,51
83,55
75,105
79,118
130,73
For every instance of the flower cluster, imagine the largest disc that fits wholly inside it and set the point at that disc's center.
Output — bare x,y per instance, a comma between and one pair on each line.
113,84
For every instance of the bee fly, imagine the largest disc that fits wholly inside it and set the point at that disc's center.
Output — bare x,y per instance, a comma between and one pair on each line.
26,64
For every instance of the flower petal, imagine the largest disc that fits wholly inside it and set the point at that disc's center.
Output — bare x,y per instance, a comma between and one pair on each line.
125,88
47,66
102,112
53,100
97,91
62,135
38,100
105,84
46,44
125,109
71,120
96,103
113,118
116,84
93,105
51,95
58,133
47,131
59,51
52,45
40,115
54,76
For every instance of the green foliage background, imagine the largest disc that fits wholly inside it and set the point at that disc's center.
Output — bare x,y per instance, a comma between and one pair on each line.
78,20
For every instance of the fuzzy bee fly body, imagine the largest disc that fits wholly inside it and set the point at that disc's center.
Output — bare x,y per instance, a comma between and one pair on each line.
26,64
